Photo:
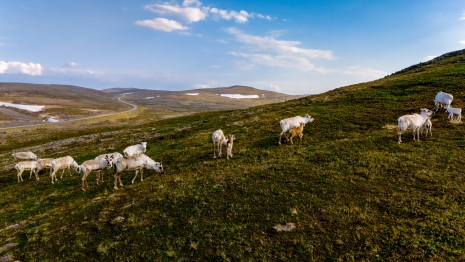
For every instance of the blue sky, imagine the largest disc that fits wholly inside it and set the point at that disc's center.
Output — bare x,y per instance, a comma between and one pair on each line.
293,47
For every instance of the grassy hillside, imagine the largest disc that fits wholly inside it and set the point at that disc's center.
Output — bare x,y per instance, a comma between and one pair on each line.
352,192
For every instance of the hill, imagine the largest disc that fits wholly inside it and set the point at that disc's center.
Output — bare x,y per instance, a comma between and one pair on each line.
351,191
178,103
60,102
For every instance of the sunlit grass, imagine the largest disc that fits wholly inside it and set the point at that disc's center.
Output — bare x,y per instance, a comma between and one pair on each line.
352,192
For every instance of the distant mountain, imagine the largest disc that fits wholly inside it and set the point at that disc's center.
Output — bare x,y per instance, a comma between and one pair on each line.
176,103
60,102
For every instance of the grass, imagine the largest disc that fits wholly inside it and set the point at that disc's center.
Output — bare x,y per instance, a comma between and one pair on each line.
353,193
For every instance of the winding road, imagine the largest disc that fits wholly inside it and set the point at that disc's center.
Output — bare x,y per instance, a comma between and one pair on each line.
134,107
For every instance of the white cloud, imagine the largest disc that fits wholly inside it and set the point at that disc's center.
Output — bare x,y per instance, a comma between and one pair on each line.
275,87
161,24
72,64
193,11
190,14
463,17
216,66
240,17
201,86
427,58
364,72
78,72
462,42
283,61
20,68
269,43
267,17
244,65
187,3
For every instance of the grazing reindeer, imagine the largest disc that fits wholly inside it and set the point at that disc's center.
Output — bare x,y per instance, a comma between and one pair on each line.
218,141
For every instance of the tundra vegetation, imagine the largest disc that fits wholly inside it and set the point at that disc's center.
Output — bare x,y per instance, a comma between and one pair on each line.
349,191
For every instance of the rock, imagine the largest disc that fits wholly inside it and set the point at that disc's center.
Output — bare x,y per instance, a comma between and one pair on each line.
286,228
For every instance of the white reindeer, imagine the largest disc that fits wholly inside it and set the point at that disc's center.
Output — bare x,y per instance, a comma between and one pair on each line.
62,163
148,164
94,166
27,165
442,98
293,122
113,156
44,164
133,163
218,141
135,149
413,122
24,156
454,111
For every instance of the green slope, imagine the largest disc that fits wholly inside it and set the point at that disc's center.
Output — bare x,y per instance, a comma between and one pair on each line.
352,192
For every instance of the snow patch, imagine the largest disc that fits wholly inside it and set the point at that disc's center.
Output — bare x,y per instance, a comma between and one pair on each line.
149,97
239,96
192,94
31,108
52,120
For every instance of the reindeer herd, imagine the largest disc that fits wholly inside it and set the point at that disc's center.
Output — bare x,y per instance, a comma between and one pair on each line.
421,123
134,158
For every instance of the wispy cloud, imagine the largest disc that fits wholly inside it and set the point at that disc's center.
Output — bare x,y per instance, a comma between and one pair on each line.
201,86
72,64
363,72
463,17
269,43
427,58
283,61
186,12
462,42
275,87
20,68
240,17
272,52
161,24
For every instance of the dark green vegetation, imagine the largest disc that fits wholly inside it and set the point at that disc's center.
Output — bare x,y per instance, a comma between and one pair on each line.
353,193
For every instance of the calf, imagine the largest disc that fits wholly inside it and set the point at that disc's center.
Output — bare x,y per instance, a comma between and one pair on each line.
454,111
297,131
426,127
